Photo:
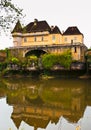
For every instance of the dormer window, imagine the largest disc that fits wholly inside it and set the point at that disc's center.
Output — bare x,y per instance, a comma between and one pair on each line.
35,22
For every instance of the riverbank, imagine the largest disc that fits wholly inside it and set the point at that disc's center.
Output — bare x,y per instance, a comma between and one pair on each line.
45,73
86,76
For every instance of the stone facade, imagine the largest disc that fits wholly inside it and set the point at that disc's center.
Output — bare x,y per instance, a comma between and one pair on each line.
40,34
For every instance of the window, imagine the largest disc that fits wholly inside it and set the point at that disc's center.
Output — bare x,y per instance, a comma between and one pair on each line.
53,38
25,39
42,38
71,41
35,39
75,39
65,39
75,49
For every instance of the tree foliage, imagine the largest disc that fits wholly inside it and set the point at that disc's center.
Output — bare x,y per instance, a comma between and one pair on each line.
15,60
9,13
33,58
64,59
48,60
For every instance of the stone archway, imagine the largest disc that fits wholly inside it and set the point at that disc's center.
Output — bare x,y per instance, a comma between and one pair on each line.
36,59
37,53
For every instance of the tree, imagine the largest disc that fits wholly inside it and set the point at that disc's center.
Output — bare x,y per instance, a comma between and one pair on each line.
9,13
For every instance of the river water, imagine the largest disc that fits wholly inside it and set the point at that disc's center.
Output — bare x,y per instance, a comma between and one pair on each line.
45,104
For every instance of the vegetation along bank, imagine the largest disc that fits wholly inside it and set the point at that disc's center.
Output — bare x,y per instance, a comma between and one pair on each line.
47,65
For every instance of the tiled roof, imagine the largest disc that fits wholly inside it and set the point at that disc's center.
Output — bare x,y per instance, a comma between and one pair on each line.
18,27
31,120
72,31
37,26
40,26
55,30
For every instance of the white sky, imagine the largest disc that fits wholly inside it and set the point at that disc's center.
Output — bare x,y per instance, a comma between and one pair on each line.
63,13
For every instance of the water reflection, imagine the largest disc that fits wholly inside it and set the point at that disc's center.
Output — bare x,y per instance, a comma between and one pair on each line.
55,104
6,123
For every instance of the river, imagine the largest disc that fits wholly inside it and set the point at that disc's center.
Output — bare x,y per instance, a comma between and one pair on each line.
45,104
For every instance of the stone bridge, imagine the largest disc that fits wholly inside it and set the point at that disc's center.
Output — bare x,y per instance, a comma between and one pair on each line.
38,50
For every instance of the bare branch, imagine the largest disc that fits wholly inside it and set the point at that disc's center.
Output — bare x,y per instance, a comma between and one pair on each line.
9,13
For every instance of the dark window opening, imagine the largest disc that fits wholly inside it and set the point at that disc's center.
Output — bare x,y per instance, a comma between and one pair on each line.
75,49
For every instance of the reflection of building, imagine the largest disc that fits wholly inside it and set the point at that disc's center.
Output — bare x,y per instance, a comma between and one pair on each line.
39,115
31,116
36,102
38,35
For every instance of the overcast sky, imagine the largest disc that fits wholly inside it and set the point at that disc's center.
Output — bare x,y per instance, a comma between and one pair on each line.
63,13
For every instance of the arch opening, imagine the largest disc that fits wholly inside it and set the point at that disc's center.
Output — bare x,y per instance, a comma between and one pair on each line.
37,53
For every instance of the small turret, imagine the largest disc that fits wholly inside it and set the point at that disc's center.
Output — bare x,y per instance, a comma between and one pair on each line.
17,33
17,28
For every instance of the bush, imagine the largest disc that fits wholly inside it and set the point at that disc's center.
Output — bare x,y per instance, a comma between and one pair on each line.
64,59
15,60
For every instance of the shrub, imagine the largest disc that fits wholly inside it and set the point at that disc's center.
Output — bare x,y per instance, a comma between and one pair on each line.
64,59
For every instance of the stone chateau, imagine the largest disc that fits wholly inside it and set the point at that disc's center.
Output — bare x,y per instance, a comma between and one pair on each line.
41,37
